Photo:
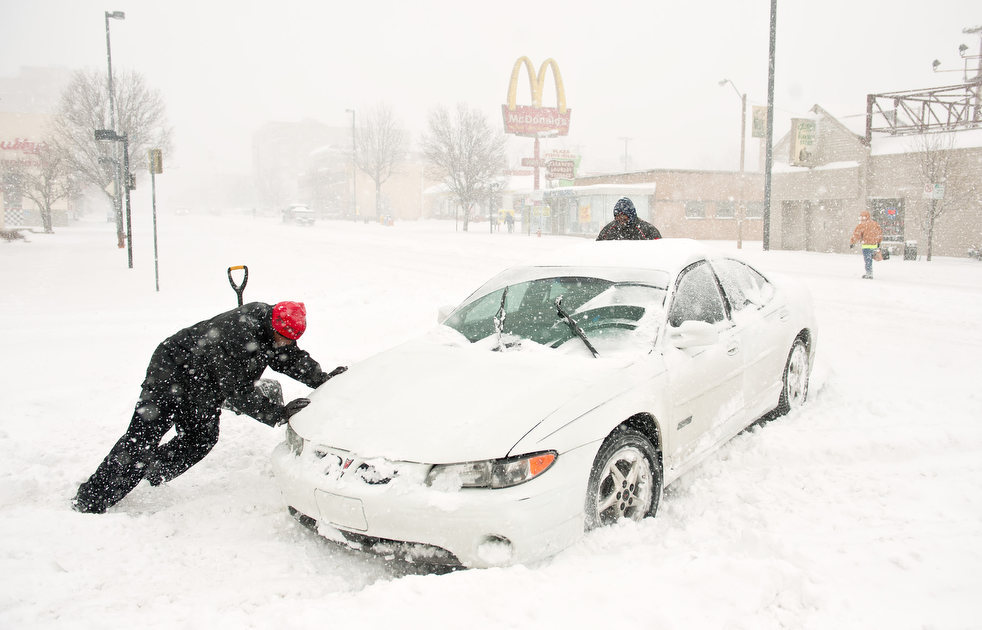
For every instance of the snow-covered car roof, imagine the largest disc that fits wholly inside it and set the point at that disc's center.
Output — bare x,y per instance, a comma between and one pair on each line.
666,254
651,262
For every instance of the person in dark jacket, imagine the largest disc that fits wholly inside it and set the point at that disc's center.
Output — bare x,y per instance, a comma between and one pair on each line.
626,225
189,377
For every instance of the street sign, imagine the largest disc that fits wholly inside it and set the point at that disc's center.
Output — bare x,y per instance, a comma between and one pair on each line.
533,162
559,169
933,191
156,161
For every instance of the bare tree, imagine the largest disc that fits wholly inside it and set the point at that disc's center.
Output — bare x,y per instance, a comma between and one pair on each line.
84,108
381,147
465,153
938,166
46,179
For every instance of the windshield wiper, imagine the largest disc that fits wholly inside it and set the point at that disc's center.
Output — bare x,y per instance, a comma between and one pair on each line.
499,318
561,312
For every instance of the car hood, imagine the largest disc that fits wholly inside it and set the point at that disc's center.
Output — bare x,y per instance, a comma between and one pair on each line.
441,399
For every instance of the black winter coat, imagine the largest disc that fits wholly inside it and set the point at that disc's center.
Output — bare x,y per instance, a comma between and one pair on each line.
223,357
634,230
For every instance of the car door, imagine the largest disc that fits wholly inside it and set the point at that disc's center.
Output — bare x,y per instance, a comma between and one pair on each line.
704,382
760,322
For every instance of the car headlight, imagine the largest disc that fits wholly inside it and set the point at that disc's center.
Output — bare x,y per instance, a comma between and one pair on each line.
293,440
491,473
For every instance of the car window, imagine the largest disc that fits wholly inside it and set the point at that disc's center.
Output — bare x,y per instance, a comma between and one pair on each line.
612,312
697,297
736,281
761,291
743,285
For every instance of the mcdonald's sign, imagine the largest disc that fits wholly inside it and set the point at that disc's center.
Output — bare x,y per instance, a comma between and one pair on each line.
536,120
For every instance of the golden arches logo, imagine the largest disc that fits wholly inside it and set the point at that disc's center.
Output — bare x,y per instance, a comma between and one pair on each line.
536,120
537,82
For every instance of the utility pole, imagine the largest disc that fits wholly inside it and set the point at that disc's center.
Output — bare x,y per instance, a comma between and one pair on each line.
626,140
354,169
978,74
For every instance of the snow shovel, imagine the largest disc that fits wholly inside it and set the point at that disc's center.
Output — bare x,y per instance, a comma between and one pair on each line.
238,288
267,387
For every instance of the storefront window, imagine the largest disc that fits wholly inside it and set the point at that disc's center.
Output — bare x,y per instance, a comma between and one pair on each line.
725,209
695,210
755,209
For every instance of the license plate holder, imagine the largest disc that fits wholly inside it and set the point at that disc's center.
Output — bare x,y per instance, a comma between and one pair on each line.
346,512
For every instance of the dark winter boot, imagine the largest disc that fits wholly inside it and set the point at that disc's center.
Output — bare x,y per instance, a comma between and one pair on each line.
80,504
153,473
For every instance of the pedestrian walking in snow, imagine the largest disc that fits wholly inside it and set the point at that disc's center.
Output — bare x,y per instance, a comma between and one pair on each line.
189,377
626,225
869,234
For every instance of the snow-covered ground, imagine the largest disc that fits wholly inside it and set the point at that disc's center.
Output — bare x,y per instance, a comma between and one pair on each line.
863,510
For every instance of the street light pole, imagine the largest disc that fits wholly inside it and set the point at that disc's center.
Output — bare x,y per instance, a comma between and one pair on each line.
354,169
769,149
126,187
116,15
743,151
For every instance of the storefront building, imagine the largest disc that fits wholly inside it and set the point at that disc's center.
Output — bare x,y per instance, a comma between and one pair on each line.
710,205
20,137
816,201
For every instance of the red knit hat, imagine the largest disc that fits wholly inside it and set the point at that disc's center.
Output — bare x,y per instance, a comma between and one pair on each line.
290,319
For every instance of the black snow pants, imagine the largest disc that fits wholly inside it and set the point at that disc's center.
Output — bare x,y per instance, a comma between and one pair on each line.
139,453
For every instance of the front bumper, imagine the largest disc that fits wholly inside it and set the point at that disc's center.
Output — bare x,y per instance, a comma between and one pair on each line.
476,527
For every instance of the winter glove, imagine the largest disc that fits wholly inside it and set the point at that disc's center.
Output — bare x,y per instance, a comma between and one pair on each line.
291,408
851,245
341,369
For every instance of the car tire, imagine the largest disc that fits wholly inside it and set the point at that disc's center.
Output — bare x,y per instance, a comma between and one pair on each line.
625,481
794,383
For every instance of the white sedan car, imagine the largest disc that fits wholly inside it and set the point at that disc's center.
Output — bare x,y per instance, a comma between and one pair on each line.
557,398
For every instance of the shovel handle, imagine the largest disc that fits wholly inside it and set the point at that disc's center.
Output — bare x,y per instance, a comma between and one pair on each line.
238,288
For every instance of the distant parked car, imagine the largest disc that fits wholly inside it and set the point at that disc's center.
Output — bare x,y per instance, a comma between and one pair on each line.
293,211
555,399
304,217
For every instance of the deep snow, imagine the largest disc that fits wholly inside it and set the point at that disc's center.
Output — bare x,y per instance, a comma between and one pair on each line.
863,510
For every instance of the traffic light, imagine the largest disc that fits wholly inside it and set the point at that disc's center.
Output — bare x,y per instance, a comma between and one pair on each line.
131,181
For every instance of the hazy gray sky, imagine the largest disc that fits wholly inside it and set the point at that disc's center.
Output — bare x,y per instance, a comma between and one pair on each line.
648,70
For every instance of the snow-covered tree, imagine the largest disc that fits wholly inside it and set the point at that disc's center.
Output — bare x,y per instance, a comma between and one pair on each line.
382,146
940,164
465,153
45,180
84,107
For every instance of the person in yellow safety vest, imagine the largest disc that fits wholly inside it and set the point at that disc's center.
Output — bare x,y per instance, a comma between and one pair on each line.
869,234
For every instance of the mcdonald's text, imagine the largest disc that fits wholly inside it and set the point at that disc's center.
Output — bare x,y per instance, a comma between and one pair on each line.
525,120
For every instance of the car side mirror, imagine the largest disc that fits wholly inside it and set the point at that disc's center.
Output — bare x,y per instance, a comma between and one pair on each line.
443,313
693,333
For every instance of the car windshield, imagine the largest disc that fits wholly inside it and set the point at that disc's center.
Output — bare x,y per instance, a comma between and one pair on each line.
616,312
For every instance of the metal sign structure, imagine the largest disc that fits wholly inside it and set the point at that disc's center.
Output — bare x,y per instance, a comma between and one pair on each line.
925,111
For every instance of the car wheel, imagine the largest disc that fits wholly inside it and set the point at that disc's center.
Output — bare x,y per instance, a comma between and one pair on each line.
626,480
794,388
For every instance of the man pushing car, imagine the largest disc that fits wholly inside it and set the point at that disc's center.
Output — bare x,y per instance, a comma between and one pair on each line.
189,377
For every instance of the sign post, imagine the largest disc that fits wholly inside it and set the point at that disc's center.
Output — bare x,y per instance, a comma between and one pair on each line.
156,166
109,134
